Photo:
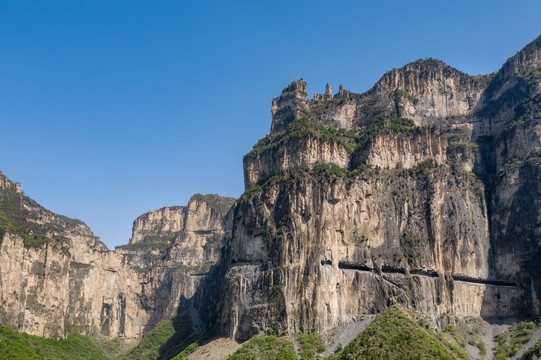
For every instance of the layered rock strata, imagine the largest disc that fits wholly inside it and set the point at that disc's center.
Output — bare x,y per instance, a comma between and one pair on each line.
350,207
422,191
57,277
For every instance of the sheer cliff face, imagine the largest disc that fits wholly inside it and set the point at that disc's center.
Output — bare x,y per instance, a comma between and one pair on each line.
423,191
317,248
349,208
174,249
423,91
181,235
514,154
57,277
429,89
159,225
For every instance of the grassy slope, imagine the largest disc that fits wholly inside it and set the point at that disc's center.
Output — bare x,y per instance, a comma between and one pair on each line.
16,218
15,345
394,335
510,342
170,339
266,348
218,203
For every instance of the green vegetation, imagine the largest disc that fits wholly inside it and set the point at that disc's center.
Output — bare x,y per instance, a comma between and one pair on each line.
24,229
450,329
257,188
396,125
218,203
15,346
352,95
14,218
337,170
321,169
310,345
348,138
531,75
482,348
170,339
266,348
187,351
394,335
485,79
509,342
534,349
462,145
407,95
327,170
301,128
149,347
203,268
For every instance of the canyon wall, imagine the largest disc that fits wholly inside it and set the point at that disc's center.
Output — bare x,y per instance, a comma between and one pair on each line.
57,277
423,191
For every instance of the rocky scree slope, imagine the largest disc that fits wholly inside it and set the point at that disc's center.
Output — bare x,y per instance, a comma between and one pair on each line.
423,191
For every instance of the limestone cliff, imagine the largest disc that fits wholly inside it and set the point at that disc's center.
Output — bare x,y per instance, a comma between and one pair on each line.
174,248
57,277
426,91
350,206
424,191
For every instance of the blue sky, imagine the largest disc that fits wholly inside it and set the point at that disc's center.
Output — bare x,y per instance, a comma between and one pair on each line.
113,108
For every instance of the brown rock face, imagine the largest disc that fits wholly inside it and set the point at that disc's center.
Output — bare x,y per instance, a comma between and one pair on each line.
185,243
426,91
57,277
290,105
353,213
430,89
423,191
317,250
296,153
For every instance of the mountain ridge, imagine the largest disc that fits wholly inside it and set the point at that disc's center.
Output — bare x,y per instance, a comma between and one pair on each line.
406,194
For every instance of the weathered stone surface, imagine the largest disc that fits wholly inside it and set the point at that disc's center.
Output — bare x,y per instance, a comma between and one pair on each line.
72,282
390,150
412,224
315,250
290,105
296,153
426,91
349,208
430,89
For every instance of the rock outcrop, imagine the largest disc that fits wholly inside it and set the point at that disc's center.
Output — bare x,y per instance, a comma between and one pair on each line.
350,207
426,91
174,249
57,277
423,191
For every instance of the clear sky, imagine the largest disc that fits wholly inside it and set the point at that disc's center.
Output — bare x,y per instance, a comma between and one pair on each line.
109,109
